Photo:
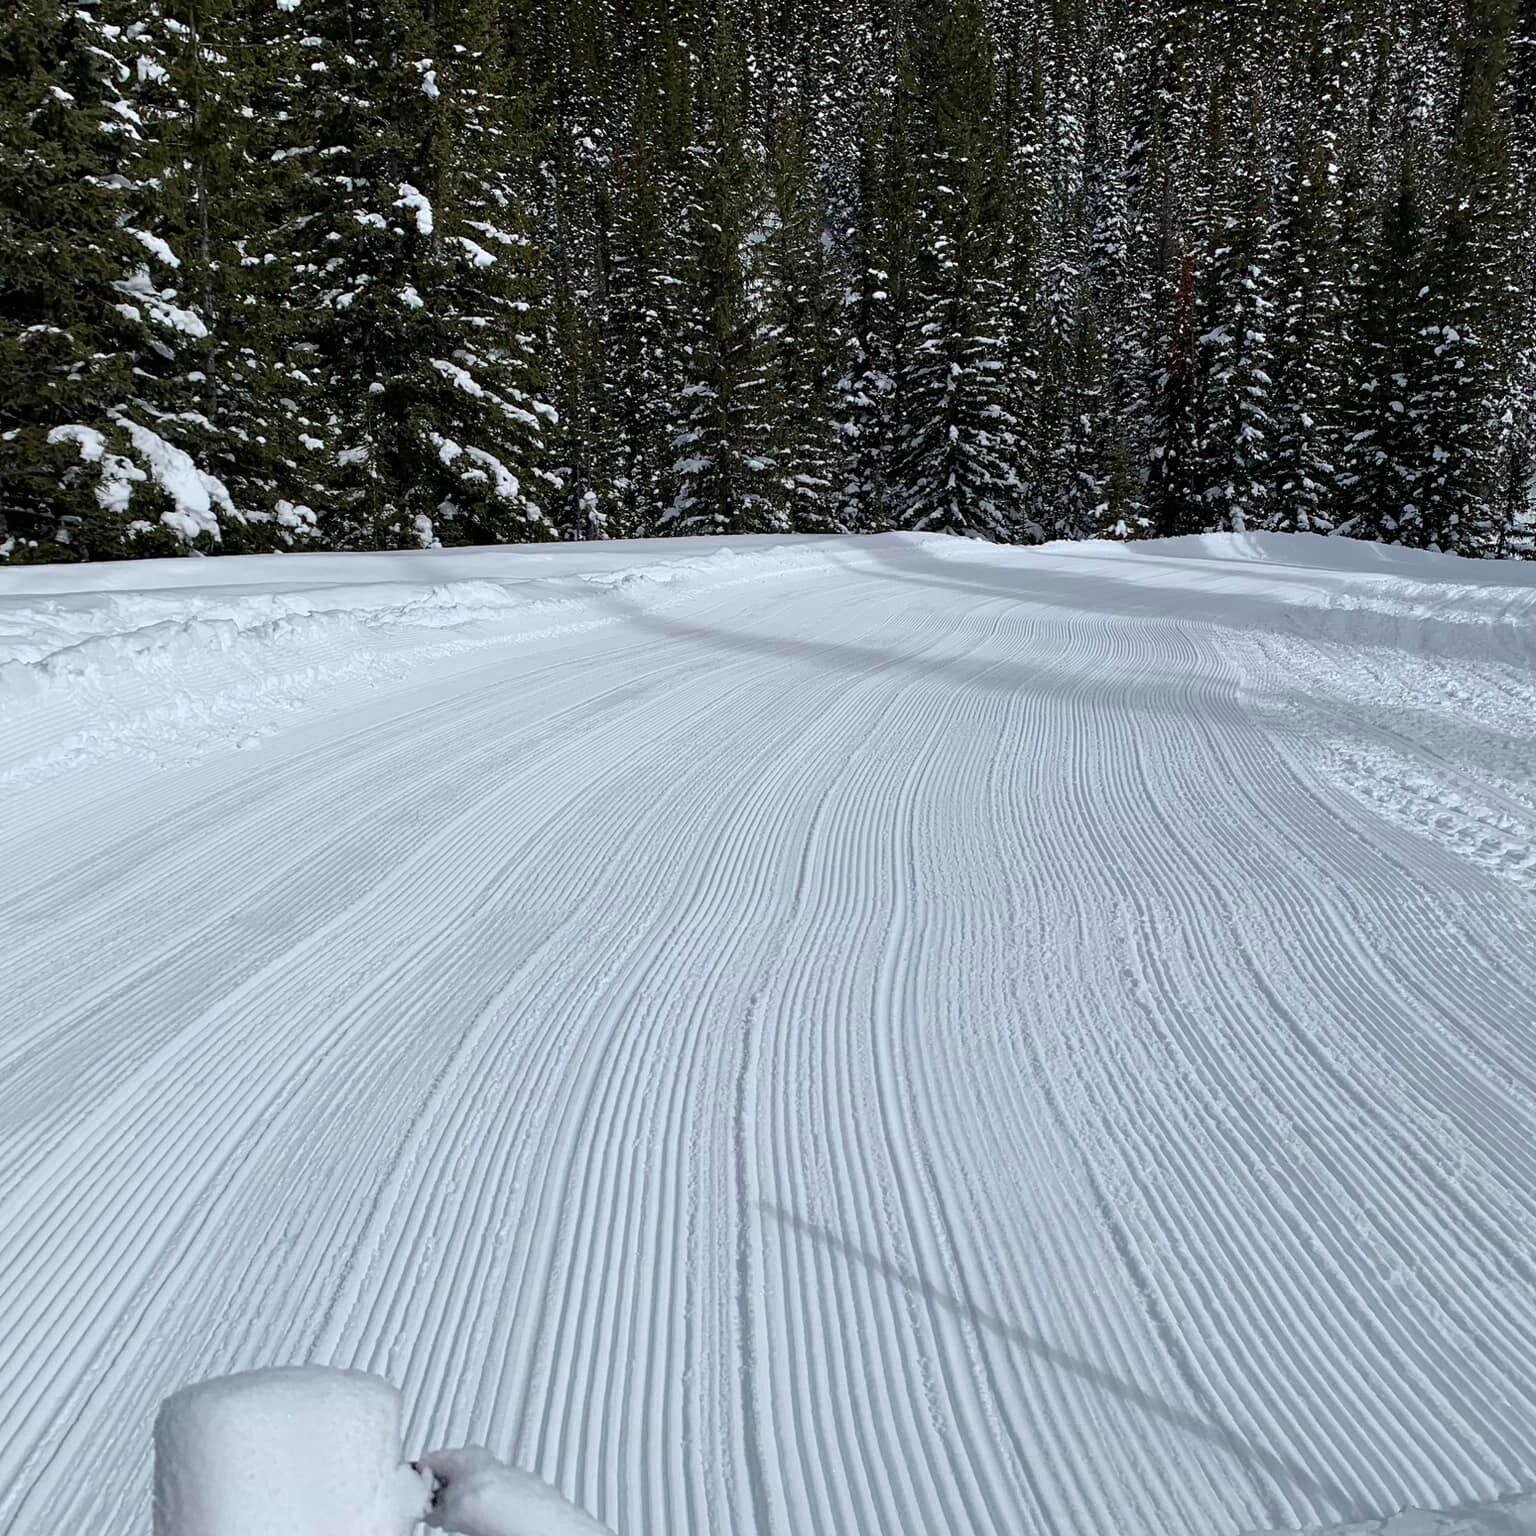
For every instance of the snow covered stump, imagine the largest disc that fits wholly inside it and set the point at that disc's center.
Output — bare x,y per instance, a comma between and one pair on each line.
307,1450
296,1451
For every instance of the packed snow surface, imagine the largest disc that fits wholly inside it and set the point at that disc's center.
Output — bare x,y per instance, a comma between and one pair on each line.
785,1038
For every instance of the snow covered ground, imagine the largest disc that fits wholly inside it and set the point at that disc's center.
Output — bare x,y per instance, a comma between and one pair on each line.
785,1038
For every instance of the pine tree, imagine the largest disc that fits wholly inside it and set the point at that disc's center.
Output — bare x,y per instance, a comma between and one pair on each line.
1235,430
62,351
1387,452
1027,254
1473,297
417,264
727,471
879,259
360,273
797,287
1174,489
106,351
957,464
1307,360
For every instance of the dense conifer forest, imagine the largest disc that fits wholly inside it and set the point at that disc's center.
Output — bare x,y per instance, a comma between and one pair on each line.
390,273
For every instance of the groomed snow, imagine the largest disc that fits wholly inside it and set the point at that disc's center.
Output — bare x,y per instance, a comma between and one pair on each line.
785,1038
1505,1517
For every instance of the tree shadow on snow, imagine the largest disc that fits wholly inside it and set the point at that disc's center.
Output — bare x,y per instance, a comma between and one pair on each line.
1267,1469
1048,582
997,672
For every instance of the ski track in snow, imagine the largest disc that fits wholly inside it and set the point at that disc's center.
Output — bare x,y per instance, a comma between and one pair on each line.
874,1036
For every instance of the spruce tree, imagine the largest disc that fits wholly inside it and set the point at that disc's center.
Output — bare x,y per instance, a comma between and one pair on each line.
1473,299
360,273
877,258
62,341
727,472
1387,452
1235,429
1307,358
797,287
957,463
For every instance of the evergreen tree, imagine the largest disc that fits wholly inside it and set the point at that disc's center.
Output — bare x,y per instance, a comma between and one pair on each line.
1175,492
728,475
958,459
61,340
90,465
362,273
1234,434
1474,297
878,243
796,290
1307,350
417,258
1387,452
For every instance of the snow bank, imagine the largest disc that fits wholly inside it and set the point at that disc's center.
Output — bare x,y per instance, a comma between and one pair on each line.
295,1451
1338,588
172,658
479,1496
59,637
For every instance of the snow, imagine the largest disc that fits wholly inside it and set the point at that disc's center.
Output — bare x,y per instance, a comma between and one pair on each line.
91,443
295,514
480,1496
418,203
490,467
198,497
1515,1516
477,253
302,1451
114,488
785,1035
161,306
491,232
153,243
460,378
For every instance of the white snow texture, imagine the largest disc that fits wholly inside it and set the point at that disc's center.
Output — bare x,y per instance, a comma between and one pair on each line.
784,1037
481,1496
1505,1517
313,1451
301,1451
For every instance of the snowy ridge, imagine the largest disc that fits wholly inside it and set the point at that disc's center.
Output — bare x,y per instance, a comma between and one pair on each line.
936,1046
67,638
1338,576
85,676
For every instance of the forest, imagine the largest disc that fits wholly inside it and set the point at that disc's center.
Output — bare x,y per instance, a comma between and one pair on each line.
373,274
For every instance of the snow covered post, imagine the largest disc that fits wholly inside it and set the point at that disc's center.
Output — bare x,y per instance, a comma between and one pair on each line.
306,1450
297,1451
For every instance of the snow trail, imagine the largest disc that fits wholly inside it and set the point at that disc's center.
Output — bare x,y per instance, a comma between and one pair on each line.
843,1037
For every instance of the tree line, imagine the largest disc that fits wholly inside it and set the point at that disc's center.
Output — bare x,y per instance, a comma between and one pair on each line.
391,273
